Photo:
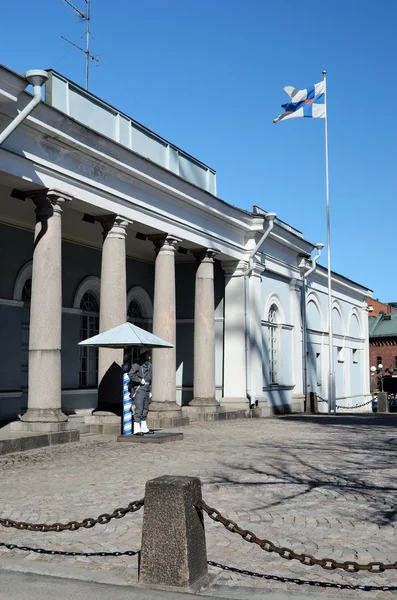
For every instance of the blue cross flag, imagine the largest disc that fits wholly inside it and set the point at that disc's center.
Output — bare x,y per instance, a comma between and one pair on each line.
304,103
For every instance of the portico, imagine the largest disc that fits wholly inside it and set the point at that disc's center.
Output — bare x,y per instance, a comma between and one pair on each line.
146,268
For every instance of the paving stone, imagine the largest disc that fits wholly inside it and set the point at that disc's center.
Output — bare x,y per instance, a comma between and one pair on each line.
320,488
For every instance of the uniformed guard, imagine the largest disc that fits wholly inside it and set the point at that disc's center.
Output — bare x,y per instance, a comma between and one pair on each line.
141,390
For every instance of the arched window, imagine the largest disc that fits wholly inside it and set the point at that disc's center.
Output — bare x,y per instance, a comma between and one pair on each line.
354,329
273,343
26,293
313,317
134,314
23,283
89,303
337,322
89,326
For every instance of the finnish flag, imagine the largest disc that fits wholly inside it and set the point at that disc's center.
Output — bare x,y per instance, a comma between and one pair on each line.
304,103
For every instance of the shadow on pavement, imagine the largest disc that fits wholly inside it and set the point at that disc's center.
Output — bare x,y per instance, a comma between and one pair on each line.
346,460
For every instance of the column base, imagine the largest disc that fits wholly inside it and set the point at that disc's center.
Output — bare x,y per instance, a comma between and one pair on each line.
298,403
263,410
44,415
166,414
204,402
103,422
199,407
235,403
46,427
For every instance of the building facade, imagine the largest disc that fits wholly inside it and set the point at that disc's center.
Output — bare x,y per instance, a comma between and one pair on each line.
101,220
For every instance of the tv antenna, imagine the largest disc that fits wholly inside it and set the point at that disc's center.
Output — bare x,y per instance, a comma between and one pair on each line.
85,16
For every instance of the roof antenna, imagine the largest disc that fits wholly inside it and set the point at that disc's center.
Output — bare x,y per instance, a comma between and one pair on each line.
85,16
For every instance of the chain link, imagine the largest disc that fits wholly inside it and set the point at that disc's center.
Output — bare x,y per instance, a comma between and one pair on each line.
298,581
67,553
329,564
346,407
353,407
103,519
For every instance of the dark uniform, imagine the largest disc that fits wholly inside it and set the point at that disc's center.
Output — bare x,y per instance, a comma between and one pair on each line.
140,392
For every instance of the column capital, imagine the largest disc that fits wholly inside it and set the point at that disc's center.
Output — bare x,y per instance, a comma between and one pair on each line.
295,285
202,255
114,226
48,201
258,269
164,242
234,268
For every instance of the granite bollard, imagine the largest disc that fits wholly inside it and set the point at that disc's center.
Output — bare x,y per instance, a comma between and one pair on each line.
383,404
173,550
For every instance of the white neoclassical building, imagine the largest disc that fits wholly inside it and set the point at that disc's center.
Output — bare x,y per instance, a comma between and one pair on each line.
102,220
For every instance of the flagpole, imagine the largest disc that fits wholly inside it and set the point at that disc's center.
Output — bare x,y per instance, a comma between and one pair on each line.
331,378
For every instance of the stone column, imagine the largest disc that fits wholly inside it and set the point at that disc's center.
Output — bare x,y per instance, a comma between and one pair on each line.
204,335
113,310
44,397
234,376
297,355
164,411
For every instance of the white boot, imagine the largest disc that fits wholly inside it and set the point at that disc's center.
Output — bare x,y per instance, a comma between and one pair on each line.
144,427
137,429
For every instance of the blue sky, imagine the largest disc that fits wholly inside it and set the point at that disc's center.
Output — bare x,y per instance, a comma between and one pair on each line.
208,75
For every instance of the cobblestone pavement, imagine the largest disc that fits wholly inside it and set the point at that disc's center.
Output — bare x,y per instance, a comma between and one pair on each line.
323,485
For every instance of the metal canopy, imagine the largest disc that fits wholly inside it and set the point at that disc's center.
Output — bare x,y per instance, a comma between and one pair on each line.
126,335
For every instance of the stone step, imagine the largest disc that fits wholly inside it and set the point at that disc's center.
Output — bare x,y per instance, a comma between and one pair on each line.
20,441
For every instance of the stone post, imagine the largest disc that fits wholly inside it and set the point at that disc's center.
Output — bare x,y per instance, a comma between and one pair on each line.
164,411
113,310
383,404
44,397
234,376
204,336
173,549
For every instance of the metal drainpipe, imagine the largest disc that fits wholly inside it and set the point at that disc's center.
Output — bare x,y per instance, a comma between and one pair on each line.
37,79
270,218
303,309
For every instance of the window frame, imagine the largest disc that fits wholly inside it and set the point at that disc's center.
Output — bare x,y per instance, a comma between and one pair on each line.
89,326
273,344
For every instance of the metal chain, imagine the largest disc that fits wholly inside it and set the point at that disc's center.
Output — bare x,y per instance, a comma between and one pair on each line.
308,560
356,406
103,519
345,407
298,581
67,553
322,399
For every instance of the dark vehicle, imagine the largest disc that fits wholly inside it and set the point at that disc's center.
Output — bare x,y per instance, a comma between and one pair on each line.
391,400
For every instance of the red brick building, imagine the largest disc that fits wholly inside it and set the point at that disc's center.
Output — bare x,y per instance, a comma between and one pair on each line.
378,307
383,347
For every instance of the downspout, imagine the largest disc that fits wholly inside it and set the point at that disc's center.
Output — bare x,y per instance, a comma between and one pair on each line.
314,260
37,79
247,273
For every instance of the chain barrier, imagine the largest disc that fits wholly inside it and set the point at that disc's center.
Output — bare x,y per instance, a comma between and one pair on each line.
103,519
298,581
308,560
67,553
353,407
346,407
319,399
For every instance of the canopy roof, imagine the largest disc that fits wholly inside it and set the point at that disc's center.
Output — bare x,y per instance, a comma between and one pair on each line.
126,335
